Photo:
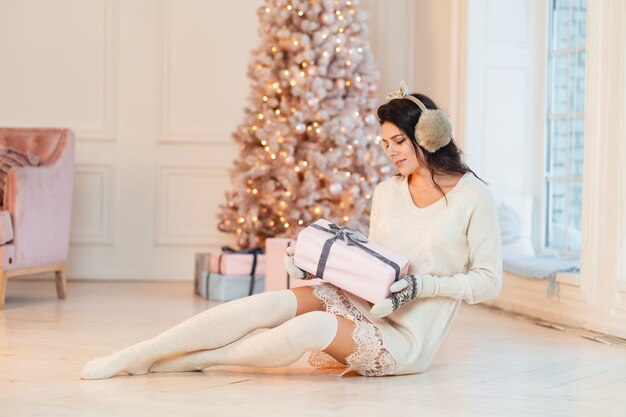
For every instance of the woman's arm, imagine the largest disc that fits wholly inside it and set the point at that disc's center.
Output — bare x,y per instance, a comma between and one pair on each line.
484,277
373,214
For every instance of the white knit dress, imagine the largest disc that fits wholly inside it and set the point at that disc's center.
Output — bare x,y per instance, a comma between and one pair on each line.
457,242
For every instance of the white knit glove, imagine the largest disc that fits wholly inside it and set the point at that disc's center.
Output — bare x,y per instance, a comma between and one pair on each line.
292,269
404,290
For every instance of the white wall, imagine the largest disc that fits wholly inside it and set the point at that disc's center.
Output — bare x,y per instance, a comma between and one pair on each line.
422,42
504,102
153,90
504,99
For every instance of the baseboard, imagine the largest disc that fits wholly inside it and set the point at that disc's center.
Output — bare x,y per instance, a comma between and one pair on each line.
527,296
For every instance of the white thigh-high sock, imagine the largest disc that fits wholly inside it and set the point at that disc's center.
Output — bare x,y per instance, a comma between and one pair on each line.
280,346
213,328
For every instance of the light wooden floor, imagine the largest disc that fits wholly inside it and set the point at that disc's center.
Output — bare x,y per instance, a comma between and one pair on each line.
491,364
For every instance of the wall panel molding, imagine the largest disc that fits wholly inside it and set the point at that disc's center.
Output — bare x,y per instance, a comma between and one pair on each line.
92,217
108,129
168,134
196,186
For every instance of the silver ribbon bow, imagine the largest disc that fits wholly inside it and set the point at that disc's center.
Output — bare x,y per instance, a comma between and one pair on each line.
402,92
348,235
351,238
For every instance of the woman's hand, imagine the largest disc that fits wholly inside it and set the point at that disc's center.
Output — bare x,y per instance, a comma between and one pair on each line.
404,290
292,269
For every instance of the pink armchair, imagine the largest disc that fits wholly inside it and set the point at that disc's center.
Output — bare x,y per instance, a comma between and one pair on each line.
37,206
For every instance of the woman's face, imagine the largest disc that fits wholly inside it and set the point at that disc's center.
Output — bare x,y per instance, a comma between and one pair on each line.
399,149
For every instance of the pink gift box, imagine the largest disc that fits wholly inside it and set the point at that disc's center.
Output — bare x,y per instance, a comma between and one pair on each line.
276,277
227,263
362,268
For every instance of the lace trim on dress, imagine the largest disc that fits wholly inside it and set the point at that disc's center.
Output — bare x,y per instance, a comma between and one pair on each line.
370,357
321,359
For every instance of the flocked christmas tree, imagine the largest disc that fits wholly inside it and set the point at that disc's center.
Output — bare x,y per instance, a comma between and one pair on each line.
309,145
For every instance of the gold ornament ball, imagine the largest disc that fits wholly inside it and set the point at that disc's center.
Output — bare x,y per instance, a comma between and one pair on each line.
243,242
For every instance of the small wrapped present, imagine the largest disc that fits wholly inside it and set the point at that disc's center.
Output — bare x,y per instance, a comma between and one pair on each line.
238,262
217,287
276,277
241,266
347,260
203,265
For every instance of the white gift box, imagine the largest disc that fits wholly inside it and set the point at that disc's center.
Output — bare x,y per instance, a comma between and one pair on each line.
217,287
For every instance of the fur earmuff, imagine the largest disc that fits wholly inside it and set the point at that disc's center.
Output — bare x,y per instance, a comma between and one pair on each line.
433,130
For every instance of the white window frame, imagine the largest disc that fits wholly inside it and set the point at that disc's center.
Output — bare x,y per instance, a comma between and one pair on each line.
572,117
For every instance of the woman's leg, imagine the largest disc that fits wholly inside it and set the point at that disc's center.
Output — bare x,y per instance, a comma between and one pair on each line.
211,329
306,301
280,346
340,346
343,344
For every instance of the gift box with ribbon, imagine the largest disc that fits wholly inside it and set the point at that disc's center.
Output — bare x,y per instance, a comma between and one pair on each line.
217,287
229,274
346,259
238,262
276,277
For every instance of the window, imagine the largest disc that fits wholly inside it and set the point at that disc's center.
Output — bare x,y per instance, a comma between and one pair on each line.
565,126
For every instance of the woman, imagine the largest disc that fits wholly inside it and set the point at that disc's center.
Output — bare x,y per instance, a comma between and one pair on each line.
436,211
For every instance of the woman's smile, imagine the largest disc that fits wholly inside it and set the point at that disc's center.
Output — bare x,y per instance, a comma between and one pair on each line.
400,162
